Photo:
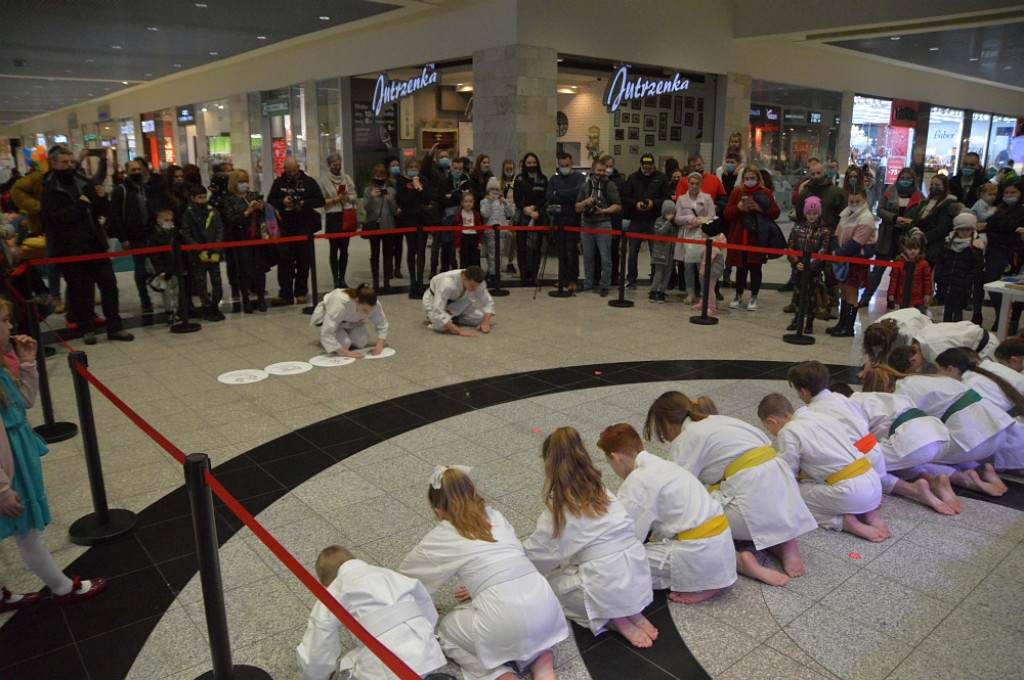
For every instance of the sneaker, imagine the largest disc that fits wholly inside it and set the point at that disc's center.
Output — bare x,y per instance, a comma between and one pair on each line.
89,338
631,285
58,306
123,336
300,299
81,591
278,301
604,292
652,298
736,302
752,305
661,298
11,602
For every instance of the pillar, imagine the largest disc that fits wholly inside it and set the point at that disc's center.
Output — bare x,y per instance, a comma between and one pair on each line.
238,122
311,128
736,118
845,126
515,103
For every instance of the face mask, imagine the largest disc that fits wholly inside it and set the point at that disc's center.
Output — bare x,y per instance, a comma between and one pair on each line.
968,172
243,186
379,180
750,183
647,172
934,190
66,176
444,162
335,171
564,171
531,169
414,173
135,178
730,168
852,182
904,184
509,174
1010,200
991,172
830,173
166,226
395,170
456,175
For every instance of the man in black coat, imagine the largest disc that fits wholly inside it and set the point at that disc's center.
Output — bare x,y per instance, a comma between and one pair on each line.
964,185
133,207
645,191
295,196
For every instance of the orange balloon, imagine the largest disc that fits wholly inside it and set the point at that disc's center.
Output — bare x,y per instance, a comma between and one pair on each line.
35,156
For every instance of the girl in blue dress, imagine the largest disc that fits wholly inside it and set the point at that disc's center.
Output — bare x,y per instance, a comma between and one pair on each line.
24,511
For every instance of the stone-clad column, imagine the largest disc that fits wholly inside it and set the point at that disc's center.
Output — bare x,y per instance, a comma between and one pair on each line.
738,88
515,103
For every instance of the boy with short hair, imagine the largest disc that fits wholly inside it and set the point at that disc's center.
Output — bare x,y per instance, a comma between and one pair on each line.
836,480
450,299
393,608
200,224
166,233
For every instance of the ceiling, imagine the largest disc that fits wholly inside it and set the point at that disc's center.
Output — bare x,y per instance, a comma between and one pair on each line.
76,50
994,53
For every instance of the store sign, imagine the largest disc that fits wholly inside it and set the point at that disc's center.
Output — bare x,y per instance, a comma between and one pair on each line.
757,112
771,113
795,116
148,126
903,113
276,107
892,169
103,112
60,139
623,89
186,114
388,91
814,117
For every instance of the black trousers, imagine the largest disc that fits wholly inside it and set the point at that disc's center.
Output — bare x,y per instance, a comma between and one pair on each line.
81,278
293,269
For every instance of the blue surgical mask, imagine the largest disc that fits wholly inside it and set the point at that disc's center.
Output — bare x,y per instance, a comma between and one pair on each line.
905,183
852,182
830,172
730,168
456,175
967,172
750,183
395,170
445,162
1010,200
413,173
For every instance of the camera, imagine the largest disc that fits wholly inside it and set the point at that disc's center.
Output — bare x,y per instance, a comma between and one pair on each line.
552,209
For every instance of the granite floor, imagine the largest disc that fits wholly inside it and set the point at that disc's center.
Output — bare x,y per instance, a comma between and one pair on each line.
342,454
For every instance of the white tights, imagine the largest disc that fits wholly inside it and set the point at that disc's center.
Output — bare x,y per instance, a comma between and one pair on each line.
39,560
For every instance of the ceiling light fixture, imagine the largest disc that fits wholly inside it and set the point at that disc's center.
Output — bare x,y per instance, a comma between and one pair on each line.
973,59
325,18
220,106
895,37
152,28
124,82
204,109
214,54
176,65
261,37
1007,68
933,49
148,74
201,5
115,47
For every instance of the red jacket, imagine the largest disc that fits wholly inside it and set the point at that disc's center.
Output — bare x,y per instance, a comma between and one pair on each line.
920,285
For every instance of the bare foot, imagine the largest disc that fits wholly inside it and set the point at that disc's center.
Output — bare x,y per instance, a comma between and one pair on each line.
852,525
641,622
508,676
921,491
944,490
693,597
543,667
874,519
988,473
969,479
789,554
630,631
1018,472
747,564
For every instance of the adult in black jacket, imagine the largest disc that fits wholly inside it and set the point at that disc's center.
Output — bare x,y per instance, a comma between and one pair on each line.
1005,229
965,184
563,189
132,217
414,198
296,197
619,180
71,209
530,195
645,191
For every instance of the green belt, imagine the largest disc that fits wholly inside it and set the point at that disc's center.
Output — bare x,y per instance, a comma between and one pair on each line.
966,399
909,414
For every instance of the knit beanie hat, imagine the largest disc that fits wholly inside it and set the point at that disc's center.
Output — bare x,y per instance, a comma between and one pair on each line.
668,207
965,220
493,184
812,204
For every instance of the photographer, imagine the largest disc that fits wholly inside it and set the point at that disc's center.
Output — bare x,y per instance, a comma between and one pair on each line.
562,193
597,200
295,196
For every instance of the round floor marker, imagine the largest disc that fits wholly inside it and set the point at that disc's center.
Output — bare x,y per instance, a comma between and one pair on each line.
288,368
536,429
331,360
242,377
384,353
597,372
855,556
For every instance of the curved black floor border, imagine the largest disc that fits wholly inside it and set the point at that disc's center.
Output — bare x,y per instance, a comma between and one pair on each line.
101,638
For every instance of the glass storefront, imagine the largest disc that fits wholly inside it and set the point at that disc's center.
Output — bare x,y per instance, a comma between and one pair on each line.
945,130
882,135
1001,144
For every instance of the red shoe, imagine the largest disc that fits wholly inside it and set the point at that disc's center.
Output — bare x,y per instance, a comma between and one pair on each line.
71,325
98,321
79,593
9,605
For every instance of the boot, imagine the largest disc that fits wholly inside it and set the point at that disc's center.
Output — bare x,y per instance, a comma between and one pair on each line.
849,318
246,304
832,330
793,325
261,301
809,325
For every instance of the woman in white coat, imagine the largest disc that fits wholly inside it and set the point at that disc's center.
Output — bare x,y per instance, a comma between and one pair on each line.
585,543
344,314
514,619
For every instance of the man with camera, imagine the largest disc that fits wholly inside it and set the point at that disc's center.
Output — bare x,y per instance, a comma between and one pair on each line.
597,200
295,196
645,191
563,188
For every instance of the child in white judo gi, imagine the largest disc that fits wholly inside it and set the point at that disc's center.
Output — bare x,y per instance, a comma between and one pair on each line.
343,316
451,301
514,618
586,545
393,608
691,550
1010,353
837,482
754,486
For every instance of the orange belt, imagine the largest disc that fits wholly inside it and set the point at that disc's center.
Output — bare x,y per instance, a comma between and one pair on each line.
866,443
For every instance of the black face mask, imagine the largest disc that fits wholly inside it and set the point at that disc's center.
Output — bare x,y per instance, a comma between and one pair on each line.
135,178
531,169
66,176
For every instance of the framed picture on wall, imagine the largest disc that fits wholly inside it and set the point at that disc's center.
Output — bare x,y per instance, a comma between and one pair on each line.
700,103
620,133
649,122
665,101
689,102
618,118
634,133
651,102
636,118
677,111
635,104
648,140
677,133
617,150
633,150
688,121
700,120
662,134
663,121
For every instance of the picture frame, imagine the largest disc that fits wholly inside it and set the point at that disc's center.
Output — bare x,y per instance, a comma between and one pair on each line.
662,134
636,118
677,133
651,102
677,111
650,123
634,133
620,134
617,149
648,140
635,104
634,150
663,121
688,121
665,101
689,102
618,118
700,103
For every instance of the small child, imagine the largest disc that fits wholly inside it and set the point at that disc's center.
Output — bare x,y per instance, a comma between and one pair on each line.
984,208
495,210
691,551
585,544
469,247
961,267
836,480
816,238
201,224
164,267
718,250
854,237
661,252
913,286
393,608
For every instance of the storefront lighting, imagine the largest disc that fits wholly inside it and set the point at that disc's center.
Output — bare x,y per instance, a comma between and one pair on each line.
566,90
464,87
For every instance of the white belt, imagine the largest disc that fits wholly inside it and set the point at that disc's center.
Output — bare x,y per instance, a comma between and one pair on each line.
384,619
501,575
604,549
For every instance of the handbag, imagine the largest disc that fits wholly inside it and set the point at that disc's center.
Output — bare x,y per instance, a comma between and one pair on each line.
349,220
369,226
769,235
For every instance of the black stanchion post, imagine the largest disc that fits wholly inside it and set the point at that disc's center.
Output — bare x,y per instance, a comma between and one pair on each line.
312,276
563,263
498,291
51,431
623,249
799,338
103,523
184,298
205,530
703,319
419,261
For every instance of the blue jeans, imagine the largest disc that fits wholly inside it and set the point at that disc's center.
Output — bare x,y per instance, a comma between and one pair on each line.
603,244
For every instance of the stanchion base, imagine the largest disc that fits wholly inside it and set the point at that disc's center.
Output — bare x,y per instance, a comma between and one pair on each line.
49,351
56,432
306,310
795,339
622,304
703,320
241,673
88,531
499,292
559,293
186,327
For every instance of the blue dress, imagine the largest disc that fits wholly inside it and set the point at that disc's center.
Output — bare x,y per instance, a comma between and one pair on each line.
26,448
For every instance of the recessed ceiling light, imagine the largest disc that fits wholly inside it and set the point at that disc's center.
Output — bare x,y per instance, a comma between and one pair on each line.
124,82
89,94
933,49
115,47
220,106
152,28
895,37
106,89
559,60
204,109
201,4
67,70
1007,68
148,74
325,18
261,37
973,59
214,54
176,65
89,61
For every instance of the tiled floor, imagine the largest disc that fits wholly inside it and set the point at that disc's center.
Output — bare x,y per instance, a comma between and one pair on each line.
341,455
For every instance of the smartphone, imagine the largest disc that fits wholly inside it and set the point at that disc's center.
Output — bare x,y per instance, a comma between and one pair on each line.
97,153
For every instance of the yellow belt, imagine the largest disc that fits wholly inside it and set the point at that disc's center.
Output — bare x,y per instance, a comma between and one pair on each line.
751,458
854,469
712,527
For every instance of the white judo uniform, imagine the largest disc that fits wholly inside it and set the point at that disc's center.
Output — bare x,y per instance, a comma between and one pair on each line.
1011,455
935,338
596,566
909,437
855,423
762,500
975,431
343,324
835,478
446,299
513,617
395,609
662,497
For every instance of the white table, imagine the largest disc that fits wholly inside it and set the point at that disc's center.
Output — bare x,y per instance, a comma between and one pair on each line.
1010,295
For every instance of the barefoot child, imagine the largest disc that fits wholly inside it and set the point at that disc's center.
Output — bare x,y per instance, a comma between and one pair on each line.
691,551
585,544
837,482
755,487
393,608
514,618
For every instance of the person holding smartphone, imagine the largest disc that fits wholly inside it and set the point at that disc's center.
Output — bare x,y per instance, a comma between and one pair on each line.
339,195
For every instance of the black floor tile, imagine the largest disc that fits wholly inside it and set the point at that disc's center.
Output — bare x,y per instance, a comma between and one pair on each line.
167,540
63,662
110,656
387,421
333,431
559,376
174,504
670,653
524,386
247,482
40,629
613,659
228,523
343,449
435,408
482,396
297,468
282,447
1014,498
179,571
121,556
127,599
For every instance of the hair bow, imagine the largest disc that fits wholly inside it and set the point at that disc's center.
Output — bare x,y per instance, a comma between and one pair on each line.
439,470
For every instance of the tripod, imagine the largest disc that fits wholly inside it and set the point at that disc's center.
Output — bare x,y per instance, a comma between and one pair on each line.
544,243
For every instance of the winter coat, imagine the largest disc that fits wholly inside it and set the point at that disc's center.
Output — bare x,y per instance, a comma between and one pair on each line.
920,275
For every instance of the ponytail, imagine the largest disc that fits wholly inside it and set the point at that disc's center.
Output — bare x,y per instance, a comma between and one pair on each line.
880,378
362,295
462,506
959,359
673,408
